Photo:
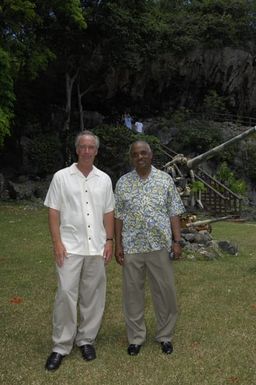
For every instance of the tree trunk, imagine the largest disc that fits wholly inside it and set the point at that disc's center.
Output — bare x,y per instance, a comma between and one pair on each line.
69,87
80,107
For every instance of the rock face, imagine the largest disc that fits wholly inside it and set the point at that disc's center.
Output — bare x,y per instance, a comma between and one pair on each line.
173,82
230,71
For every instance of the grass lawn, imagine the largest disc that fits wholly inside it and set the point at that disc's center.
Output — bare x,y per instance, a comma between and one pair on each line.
215,339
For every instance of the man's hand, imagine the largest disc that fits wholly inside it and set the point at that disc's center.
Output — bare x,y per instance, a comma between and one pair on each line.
59,249
177,250
59,252
119,254
108,251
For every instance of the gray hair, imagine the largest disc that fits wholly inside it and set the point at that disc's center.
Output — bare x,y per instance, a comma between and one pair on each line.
87,133
139,142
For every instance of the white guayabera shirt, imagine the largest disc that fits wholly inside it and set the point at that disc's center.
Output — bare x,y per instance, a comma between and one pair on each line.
82,202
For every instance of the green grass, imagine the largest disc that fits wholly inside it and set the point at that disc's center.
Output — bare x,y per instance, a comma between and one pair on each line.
215,336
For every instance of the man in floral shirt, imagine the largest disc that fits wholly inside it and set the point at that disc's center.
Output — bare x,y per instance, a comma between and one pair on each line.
147,230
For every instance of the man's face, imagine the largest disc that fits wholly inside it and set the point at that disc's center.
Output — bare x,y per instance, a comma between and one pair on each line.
141,157
86,149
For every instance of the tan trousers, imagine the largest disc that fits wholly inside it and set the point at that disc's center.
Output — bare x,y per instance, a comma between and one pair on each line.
80,278
159,269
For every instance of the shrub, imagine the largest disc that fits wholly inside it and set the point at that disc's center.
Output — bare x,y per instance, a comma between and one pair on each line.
113,155
45,154
227,177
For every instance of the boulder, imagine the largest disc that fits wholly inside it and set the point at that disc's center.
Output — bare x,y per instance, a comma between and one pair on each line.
228,247
4,193
28,190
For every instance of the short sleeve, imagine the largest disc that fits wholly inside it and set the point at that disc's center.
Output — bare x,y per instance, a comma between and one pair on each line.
119,203
110,200
53,196
174,202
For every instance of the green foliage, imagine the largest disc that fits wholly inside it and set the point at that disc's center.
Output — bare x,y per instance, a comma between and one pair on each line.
213,102
113,156
15,15
6,82
197,136
133,32
227,177
5,121
210,23
28,33
223,22
45,153
39,61
70,11
197,186
7,97
118,53
180,115
250,161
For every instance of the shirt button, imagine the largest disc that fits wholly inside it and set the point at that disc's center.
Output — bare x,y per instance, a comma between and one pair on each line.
86,190
87,203
89,239
89,226
88,214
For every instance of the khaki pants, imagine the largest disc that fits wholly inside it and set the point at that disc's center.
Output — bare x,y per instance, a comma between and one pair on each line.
159,269
80,277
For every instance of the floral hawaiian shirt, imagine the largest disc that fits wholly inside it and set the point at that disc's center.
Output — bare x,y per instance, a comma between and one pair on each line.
145,207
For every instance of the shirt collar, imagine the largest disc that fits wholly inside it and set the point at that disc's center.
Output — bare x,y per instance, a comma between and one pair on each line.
136,175
74,170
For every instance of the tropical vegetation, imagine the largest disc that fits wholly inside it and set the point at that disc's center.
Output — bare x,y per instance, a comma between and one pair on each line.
59,59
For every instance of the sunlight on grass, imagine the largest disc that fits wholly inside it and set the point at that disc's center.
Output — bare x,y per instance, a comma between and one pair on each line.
215,336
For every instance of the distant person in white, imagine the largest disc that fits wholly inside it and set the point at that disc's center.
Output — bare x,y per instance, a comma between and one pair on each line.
139,127
127,119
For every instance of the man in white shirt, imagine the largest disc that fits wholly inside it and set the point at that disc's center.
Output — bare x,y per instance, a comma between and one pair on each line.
81,203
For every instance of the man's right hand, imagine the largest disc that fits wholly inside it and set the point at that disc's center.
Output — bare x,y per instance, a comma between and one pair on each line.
119,254
59,252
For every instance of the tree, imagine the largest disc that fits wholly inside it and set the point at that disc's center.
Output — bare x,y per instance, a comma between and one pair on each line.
123,38
26,48
223,22
6,96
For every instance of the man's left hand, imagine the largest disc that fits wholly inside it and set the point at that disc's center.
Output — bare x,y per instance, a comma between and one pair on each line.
108,251
177,250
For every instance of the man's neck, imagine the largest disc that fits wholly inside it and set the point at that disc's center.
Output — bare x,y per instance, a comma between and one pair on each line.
85,168
143,174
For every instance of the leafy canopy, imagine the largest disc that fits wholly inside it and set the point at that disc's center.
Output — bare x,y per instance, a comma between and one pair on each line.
24,42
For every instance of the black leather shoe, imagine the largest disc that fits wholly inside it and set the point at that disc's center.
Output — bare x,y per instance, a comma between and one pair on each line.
133,349
167,347
53,361
88,352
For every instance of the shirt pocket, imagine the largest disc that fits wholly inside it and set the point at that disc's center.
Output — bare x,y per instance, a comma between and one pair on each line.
69,233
